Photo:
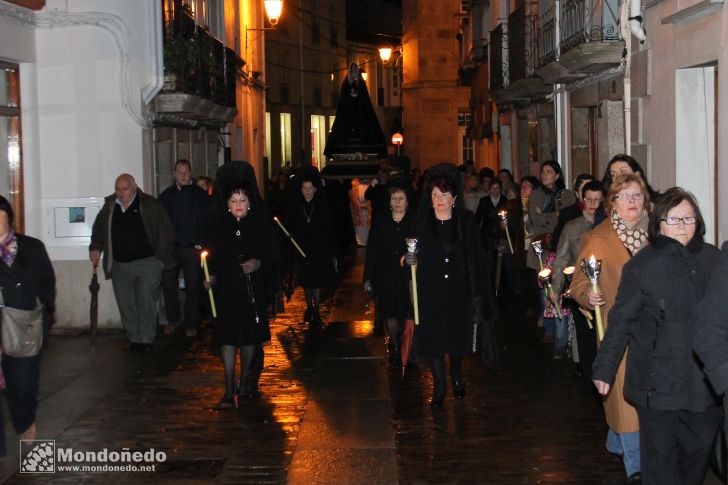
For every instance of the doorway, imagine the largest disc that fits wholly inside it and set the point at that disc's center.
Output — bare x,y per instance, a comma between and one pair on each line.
696,125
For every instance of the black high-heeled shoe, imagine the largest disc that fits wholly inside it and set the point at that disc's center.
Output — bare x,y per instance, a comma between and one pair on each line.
225,402
458,389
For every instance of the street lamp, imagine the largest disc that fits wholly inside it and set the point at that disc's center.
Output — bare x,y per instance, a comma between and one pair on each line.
385,53
273,9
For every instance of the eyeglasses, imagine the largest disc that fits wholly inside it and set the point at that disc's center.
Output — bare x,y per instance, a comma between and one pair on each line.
595,201
630,197
674,221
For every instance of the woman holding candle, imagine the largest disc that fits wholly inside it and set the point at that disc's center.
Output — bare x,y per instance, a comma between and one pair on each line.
452,280
311,225
654,315
544,206
382,271
240,261
615,241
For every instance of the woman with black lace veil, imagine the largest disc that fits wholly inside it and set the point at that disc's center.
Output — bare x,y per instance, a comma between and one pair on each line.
241,245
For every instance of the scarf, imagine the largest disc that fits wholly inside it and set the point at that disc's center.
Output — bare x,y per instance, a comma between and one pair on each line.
9,248
633,237
549,202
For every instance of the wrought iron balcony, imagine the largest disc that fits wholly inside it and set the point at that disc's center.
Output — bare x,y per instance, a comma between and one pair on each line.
589,39
588,21
547,47
498,62
523,51
199,65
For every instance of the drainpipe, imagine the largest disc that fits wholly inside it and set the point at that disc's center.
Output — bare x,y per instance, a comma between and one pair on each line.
560,104
635,20
156,62
631,21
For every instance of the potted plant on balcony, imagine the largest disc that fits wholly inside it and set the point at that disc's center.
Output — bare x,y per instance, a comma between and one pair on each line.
181,51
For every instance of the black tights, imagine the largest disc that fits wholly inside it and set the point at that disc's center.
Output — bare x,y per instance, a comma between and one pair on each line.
393,330
251,364
437,366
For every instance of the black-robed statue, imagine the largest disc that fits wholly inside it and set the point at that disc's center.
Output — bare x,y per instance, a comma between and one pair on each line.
356,128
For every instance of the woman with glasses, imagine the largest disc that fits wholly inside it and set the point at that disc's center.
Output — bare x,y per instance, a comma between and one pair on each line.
653,316
622,235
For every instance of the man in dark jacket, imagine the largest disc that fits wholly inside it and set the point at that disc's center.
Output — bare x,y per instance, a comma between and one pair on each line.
135,235
187,206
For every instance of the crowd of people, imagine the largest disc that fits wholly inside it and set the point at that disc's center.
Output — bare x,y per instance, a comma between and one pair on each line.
647,328
618,274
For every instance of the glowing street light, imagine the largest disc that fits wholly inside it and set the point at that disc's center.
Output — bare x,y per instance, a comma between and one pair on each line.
273,9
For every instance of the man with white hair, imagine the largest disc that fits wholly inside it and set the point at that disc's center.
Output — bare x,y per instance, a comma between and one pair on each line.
135,235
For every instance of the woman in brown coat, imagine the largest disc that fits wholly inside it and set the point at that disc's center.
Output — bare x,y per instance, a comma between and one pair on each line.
615,241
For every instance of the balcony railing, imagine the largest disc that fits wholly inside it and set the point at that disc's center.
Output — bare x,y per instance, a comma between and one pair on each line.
200,64
588,21
547,46
498,62
523,42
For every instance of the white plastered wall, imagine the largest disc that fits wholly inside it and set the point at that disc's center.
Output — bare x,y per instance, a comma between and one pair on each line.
681,46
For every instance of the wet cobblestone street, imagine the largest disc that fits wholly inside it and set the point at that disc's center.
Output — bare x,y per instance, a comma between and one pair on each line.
332,410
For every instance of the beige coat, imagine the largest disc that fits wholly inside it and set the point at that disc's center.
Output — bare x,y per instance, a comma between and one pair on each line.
603,243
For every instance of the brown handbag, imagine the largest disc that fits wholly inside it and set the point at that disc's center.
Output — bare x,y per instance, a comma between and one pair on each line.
22,330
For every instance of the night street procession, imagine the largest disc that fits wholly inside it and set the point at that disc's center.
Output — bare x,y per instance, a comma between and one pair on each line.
363,242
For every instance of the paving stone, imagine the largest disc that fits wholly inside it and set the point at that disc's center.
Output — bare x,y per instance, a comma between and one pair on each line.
332,409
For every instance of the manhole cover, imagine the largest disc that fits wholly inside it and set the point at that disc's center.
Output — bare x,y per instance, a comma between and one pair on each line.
192,468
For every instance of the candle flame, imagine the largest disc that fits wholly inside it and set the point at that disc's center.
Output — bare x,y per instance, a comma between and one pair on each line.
544,273
204,254
569,270
275,218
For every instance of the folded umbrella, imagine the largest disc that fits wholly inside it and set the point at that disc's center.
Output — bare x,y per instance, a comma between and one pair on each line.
94,306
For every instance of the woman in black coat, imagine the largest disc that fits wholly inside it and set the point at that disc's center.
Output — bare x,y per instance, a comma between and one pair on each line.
660,289
26,276
452,279
240,257
383,273
311,225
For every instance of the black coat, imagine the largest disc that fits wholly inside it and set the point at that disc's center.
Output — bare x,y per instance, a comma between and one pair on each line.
711,340
311,225
654,315
385,248
449,276
187,208
487,214
31,276
235,323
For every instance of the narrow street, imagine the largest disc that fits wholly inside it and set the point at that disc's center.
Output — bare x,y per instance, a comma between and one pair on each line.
331,410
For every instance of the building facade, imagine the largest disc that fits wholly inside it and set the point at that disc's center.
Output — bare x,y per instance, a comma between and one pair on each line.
306,60
92,89
436,101
621,77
